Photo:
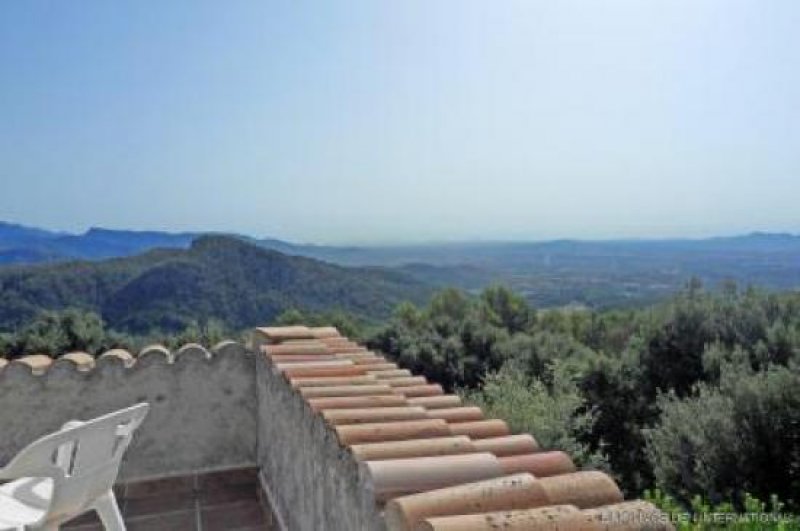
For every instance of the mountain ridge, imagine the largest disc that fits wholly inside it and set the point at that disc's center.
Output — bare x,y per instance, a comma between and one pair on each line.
217,277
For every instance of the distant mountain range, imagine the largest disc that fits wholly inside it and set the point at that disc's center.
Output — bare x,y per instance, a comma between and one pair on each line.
25,245
216,277
594,273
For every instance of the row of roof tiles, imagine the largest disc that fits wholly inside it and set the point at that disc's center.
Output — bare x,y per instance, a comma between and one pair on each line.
39,363
83,361
435,463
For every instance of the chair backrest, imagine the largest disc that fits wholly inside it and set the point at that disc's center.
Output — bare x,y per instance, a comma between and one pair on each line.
82,458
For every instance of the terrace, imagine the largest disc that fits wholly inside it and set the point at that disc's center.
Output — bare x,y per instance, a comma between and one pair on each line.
304,429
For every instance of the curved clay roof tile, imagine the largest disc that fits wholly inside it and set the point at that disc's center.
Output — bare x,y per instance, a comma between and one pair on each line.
380,451
342,417
38,363
350,402
329,381
408,381
120,354
276,334
82,360
435,401
325,331
457,414
316,371
312,347
398,477
391,431
545,518
414,391
388,375
540,464
345,390
481,429
582,489
508,445
520,491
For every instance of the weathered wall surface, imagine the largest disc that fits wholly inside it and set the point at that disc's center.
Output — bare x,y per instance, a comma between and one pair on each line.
202,407
314,482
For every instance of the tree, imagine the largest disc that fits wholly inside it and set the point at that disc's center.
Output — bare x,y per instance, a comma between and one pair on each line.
57,333
506,309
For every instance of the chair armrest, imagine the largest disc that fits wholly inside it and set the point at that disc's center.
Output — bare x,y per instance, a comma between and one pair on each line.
5,475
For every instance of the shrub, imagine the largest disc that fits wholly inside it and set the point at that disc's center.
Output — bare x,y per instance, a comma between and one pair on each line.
555,414
743,436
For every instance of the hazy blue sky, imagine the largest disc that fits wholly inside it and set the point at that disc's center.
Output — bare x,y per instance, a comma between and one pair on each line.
377,121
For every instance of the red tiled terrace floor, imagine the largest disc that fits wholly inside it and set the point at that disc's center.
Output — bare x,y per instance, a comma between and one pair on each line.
229,501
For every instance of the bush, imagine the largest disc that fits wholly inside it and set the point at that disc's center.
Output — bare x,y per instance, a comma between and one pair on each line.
57,333
554,413
700,514
743,436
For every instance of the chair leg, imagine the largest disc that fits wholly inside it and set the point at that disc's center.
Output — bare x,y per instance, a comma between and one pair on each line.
108,511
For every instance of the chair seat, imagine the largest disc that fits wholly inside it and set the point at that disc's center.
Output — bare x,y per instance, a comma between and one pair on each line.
24,501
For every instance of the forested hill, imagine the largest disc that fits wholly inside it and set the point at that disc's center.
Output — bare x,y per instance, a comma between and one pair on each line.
217,277
597,274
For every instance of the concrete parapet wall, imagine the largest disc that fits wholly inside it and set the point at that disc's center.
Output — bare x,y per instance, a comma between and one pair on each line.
202,416
314,483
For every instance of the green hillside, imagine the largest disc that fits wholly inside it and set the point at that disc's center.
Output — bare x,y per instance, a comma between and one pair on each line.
217,277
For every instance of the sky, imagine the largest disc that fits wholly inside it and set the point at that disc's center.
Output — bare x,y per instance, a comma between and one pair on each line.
338,121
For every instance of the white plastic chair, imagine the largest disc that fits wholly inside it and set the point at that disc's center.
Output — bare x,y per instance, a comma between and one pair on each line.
68,473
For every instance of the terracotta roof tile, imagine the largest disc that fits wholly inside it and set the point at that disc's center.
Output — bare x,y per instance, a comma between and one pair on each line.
407,381
460,444
540,464
325,332
327,381
471,473
544,519
38,363
282,333
310,347
414,391
341,417
82,360
388,375
294,358
350,402
397,477
345,390
392,431
519,491
122,355
380,367
481,429
436,401
523,443
317,371
316,364
457,414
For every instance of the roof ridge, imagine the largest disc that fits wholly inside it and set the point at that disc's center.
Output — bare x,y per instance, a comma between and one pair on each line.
437,463
80,361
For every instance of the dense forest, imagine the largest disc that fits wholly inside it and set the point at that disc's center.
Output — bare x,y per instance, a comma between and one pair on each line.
694,402
698,396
